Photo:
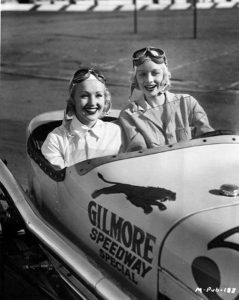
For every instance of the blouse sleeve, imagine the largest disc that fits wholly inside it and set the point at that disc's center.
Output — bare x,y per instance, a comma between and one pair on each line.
199,119
51,150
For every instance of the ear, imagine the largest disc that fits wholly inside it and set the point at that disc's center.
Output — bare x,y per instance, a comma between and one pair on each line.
166,80
107,107
108,103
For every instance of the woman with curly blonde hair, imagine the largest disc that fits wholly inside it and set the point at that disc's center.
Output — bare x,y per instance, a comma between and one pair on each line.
155,116
83,135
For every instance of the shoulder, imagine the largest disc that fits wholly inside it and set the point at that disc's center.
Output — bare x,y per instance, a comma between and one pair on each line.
59,130
187,98
57,134
178,96
111,126
181,98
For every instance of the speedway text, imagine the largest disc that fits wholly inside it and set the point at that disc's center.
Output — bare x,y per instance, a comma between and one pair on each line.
111,232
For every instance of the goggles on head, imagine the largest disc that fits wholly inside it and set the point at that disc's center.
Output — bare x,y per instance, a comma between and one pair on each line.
83,74
155,54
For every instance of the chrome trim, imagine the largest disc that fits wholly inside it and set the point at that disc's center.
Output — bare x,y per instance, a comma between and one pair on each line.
73,257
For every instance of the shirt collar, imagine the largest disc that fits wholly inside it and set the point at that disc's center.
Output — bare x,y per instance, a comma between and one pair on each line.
144,106
81,129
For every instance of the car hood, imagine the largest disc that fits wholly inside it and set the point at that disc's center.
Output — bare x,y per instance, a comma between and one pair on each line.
158,190
202,251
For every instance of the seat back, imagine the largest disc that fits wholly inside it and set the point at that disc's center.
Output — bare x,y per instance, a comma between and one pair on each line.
34,143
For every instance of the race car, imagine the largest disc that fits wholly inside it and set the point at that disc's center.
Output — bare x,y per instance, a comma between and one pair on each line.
159,223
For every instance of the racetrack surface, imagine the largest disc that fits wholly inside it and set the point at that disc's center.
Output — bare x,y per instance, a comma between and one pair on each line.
40,51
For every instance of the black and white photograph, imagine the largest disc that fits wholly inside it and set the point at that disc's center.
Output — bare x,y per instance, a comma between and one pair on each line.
119,150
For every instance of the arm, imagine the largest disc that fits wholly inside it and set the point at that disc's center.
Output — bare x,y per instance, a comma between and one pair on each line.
51,150
199,119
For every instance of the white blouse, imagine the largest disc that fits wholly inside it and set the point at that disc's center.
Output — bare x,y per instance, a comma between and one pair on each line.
71,143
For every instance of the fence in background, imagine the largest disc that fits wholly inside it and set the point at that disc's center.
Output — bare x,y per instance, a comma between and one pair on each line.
112,5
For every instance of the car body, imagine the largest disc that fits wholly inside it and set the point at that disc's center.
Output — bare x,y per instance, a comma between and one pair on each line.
159,223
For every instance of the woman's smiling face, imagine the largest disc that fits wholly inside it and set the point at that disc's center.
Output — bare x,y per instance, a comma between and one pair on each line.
89,100
149,76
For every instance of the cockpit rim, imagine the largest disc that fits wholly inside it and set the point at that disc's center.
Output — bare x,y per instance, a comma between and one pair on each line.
50,120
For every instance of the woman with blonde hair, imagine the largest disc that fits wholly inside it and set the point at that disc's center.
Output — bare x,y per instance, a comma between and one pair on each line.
83,135
155,116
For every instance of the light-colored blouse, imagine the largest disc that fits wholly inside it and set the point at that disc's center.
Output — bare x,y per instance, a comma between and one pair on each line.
73,142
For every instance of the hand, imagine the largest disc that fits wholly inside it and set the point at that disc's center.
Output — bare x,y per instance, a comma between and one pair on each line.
133,107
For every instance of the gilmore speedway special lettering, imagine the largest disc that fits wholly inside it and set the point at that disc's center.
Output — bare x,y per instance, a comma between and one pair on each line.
111,232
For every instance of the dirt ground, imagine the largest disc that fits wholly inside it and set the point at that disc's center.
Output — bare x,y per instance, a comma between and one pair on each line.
40,51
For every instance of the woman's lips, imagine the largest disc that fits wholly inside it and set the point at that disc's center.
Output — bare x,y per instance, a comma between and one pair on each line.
91,110
150,88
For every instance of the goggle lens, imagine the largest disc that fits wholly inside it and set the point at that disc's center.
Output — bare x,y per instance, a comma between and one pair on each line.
154,53
84,74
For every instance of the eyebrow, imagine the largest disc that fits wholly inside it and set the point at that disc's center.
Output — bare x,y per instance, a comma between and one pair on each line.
153,70
86,92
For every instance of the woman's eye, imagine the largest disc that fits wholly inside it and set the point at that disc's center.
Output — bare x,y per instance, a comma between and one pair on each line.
99,95
83,96
157,73
142,75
